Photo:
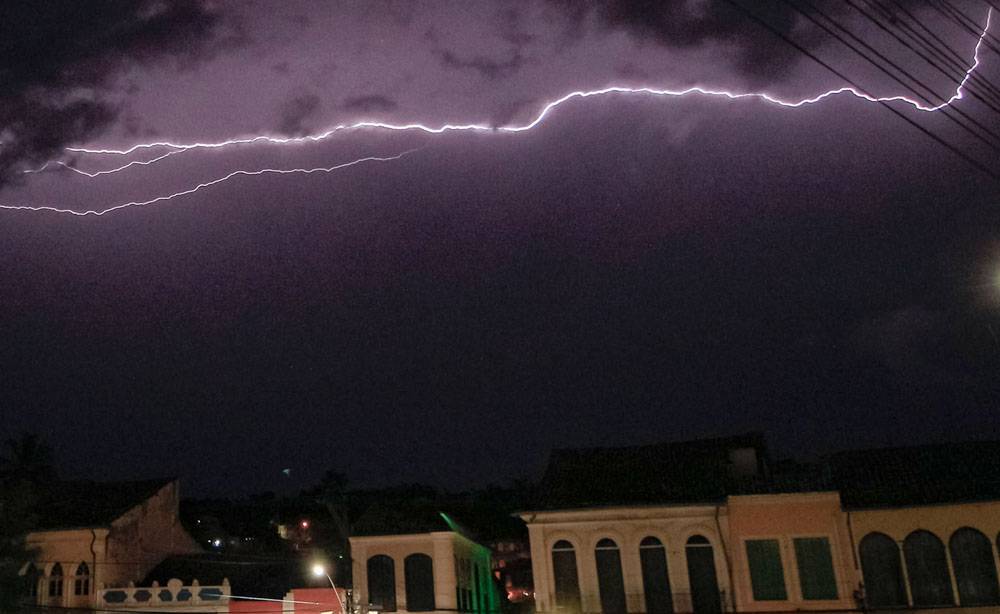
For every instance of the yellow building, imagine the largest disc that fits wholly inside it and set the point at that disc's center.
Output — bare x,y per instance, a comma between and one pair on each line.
915,527
639,529
925,522
437,569
94,535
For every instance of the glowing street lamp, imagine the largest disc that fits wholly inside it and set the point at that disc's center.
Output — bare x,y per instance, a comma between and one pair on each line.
319,571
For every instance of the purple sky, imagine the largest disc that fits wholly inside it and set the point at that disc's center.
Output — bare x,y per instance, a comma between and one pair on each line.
633,269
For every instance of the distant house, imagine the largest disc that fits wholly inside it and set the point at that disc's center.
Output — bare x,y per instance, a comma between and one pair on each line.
416,559
91,535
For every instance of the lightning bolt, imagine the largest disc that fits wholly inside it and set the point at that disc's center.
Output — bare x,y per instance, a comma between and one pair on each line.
549,107
201,186
545,111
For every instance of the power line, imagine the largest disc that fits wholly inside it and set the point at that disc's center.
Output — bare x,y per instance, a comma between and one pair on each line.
945,111
955,150
964,21
937,47
923,56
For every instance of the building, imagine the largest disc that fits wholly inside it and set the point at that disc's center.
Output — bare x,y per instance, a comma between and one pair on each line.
639,529
925,522
91,535
419,560
713,525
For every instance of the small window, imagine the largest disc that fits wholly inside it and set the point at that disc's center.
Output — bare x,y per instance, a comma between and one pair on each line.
610,581
31,577
816,576
418,572
382,582
767,577
56,581
81,583
927,568
567,582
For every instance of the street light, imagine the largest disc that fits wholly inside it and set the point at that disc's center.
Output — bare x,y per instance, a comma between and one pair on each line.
320,571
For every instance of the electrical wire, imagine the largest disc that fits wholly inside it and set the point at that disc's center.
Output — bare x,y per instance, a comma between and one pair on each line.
952,148
947,112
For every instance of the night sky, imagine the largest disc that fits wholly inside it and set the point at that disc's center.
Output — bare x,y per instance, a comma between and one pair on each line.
634,268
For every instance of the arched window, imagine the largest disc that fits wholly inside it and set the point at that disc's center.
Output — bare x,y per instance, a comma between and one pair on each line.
927,568
81,583
610,582
31,578
882,570
705,598
975,571
56,581
382,583
418,570
655,580
567,582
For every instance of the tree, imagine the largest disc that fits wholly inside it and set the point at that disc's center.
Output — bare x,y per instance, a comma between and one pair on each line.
25,467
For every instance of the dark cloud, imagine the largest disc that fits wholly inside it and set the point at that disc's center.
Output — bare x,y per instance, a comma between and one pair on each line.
680,23
58,58
487,67
368,103
295,113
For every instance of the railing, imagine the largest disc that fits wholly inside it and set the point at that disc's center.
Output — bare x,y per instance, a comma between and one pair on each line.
174,594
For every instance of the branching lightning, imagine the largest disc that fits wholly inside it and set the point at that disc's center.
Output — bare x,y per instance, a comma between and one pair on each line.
546,110
200,186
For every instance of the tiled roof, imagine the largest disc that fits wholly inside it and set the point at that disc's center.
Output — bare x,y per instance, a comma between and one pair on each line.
918,475
85,504
698,471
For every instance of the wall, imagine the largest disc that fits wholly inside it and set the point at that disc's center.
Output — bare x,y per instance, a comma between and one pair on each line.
145,535
784,517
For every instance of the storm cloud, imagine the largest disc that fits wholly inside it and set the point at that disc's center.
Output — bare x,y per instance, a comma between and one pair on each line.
59,60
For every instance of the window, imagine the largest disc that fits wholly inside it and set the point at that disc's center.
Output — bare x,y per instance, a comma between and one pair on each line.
382,582
418,570
705,597
882,570
81,584
815,564
610,582
975,571
31,577
56,581
655,580
567,582
767,577
927,568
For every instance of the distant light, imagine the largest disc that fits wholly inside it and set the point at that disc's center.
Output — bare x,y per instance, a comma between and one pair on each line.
217,543
319,570
305,524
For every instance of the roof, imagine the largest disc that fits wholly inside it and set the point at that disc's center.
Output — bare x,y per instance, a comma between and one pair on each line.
402,519
918,475
697,471
257,576
86,504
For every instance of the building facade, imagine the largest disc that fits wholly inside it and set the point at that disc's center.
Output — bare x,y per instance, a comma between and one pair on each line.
896,529
438,571
97,535
630,559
